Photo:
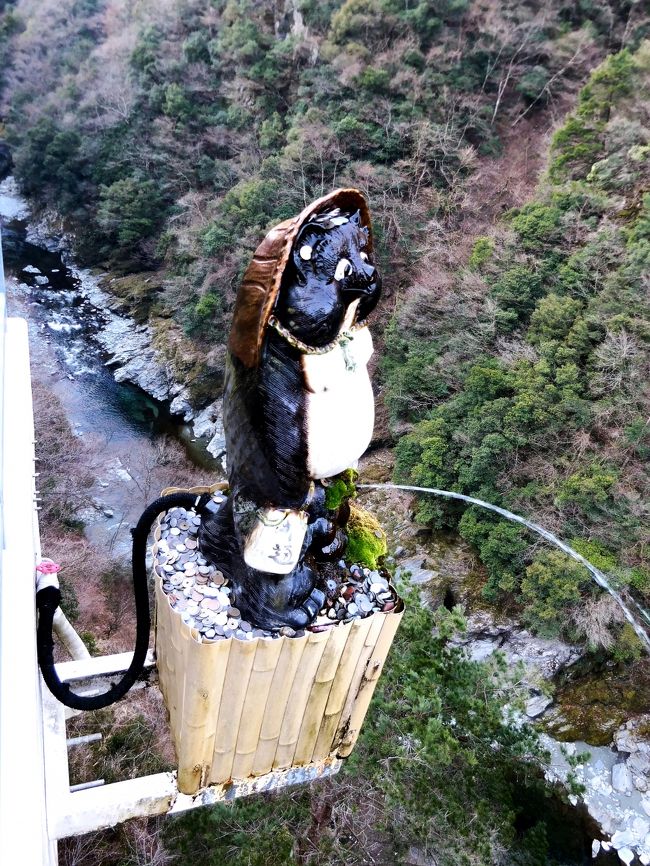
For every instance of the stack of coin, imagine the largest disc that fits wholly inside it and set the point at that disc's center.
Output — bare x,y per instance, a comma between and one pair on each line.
200,593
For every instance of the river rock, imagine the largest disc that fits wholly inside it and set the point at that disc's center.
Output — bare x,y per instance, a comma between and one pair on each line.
543,658
209,421
536,705
621,778
639,766
181,405
631,736
415,568
631,739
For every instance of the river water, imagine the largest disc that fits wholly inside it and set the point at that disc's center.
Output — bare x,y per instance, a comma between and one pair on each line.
125,428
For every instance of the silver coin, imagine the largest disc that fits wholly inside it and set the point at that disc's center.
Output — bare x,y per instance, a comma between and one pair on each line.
352,609
365,605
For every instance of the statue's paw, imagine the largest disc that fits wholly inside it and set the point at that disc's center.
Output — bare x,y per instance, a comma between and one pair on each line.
301,617
269,602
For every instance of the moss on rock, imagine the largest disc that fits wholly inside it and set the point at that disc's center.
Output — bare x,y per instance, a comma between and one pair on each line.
366,539
341,488
592,708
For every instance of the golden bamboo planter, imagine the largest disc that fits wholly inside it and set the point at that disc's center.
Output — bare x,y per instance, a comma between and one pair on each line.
245,708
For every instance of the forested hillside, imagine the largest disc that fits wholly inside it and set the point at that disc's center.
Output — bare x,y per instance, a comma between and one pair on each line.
171,134
505,151
533,392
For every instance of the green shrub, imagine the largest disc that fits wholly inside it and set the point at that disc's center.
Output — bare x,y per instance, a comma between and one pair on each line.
532,85
574,149
130,210
554,585
374,80
481,253
176,104
552,319
501,546
588,488
537,225
516,292
627,647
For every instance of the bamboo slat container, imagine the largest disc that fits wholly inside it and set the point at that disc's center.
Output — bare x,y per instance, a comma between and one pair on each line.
244,708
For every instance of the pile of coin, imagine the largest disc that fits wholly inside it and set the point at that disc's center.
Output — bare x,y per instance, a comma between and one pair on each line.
200,593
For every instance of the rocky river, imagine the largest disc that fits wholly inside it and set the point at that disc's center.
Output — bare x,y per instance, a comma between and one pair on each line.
117,391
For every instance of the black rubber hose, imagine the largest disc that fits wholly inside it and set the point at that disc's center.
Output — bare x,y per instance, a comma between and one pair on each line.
48,599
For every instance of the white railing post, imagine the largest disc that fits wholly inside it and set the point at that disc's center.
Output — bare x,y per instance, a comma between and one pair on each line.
24,834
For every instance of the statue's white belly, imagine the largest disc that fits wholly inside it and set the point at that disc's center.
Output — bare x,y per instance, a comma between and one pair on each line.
340,410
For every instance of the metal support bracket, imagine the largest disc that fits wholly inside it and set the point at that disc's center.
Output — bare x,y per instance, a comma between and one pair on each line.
75,812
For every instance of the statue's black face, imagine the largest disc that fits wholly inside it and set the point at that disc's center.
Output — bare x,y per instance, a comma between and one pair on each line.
330,269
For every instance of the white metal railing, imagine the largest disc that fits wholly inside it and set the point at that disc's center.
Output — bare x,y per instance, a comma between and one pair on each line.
22,767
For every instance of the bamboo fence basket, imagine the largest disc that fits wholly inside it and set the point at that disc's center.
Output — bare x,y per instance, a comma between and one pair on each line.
239,709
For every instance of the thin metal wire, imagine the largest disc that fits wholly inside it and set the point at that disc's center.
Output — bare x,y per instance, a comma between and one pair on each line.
596,573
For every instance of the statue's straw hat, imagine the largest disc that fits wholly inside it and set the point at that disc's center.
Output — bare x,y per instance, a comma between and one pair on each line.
259,289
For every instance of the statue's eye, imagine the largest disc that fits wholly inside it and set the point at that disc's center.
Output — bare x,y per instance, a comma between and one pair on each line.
342,269
305,252
364,256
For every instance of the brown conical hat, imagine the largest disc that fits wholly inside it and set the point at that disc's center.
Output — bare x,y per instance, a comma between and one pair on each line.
261,283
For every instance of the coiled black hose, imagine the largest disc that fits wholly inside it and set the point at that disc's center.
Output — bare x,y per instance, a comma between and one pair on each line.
48,599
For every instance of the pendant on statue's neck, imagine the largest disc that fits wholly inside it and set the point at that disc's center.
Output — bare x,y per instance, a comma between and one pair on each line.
346,338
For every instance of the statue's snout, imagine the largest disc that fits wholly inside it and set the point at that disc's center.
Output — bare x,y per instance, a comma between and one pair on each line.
359,278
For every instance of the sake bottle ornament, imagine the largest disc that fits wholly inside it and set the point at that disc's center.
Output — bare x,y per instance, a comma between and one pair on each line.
298,407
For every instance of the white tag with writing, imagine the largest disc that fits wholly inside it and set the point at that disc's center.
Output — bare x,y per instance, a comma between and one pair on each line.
275,542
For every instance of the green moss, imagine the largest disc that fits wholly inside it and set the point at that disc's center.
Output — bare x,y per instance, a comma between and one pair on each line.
341,488
628,646
592,708
137,292
366,539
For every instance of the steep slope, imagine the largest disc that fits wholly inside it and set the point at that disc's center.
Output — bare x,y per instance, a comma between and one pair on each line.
527,380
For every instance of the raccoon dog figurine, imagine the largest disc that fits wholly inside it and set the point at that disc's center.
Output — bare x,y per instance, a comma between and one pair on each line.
298,406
